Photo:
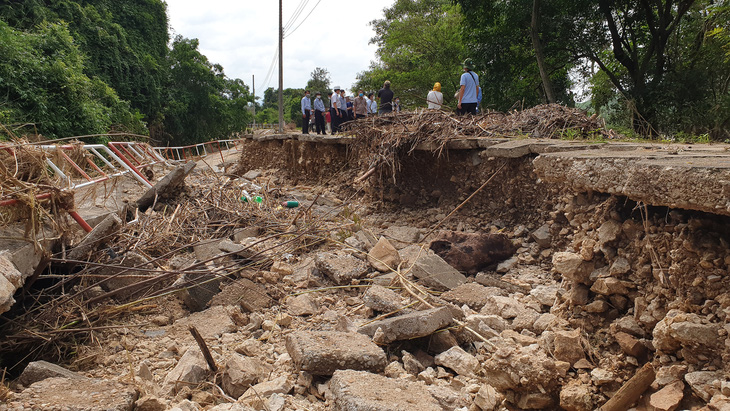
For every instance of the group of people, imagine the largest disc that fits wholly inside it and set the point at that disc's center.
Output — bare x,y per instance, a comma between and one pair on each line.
342,108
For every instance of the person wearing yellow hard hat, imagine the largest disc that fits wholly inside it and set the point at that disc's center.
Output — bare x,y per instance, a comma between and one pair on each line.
435,98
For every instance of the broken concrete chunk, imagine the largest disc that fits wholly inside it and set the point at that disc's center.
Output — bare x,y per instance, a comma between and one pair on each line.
402,237
167,187
573,267
240,372
60,393
323,352
383,256
379,298
678,329
189,371
705,383
342,269
364,391
458,360
7,290
472,294
40,370
101,233
301,305
576,396
668,398
407,326
211,323
471,252
280,385
198,289
8,270
436,273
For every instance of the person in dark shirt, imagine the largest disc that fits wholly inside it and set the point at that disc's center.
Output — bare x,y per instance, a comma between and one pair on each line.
385,96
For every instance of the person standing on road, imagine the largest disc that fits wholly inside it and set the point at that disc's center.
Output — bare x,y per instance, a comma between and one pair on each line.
372,105
306,112
342,104
385,96
360,105
335,110
467,100
319,114
435,98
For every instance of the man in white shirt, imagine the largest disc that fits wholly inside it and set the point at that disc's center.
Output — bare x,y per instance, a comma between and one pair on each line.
372,105
435,98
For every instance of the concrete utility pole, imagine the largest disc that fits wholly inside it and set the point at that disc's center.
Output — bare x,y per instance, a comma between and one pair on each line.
281,68
253,84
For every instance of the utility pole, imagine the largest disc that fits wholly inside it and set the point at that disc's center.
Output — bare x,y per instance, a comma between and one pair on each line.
281,68
253,84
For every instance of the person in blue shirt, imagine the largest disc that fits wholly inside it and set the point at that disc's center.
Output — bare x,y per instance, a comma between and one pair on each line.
372,105
306,112
467,99
319,114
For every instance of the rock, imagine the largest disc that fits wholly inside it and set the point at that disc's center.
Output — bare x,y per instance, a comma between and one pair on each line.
546,294
126,275
487,398
341,269
470,252
150,403
519,368
379,298
189,371
40,370
323,352
364,391
545,322
251,296
678,329
458,360
534,401
211,323
240,372
542,236
408,326
629,344
506,265
568,346
280,385
597,306
58,393
366,238
573,267
599,376
472,294
587,249
7,291
402,237
301,305
505,307
576,396
383,256
668,398
493,322
578,294
619,267
628,325
669,374
610,285
435,273
608,232
282,268
448,398
441,341
198,289
705,383
9,271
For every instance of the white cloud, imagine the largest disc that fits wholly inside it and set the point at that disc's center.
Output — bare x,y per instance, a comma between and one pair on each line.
242,36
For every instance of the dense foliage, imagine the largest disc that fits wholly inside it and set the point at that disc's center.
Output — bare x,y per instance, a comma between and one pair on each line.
121,49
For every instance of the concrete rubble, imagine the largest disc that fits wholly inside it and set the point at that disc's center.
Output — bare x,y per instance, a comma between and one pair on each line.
553,302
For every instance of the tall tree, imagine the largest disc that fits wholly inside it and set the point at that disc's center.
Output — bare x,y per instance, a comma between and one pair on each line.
320,81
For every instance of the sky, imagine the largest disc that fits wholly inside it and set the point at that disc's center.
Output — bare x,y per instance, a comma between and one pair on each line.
242,36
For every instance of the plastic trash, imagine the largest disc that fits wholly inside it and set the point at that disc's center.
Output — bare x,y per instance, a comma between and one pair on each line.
290,204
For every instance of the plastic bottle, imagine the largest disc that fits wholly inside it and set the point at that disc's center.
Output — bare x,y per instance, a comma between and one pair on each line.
290,204
245,196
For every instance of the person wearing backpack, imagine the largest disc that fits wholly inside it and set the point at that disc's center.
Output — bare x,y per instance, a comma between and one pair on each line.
469,90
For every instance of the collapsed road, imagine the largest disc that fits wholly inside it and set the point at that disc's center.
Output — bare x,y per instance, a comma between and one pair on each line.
451,271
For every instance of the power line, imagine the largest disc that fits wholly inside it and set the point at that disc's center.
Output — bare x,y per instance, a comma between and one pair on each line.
296,14
305,19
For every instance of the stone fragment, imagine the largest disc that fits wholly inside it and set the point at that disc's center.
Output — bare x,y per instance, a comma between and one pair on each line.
545,322
189,371
494,322
186,405
578,294
619,267
341,269
436,273
280,385
240,372
407,326
668,398
58,393
576,396
599,376
521,368
40,370
323,352
610,286
542,236
301,305
366,238
383,256
597,306
168,187
608,232
150,403
573,267
402,237
629,344
628,325
587,249
282,268
364,391
472,294
211,323
471,252
505,307
669,374
705,383
487,398
9,271
379,298
103,232
568,346
534,401
458,360
506,265
546,294
678,329
7,291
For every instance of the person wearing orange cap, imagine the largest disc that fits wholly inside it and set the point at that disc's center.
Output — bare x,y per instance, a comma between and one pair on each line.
435,98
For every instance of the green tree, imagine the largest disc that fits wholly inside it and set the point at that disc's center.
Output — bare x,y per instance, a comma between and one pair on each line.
320,81
419,43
